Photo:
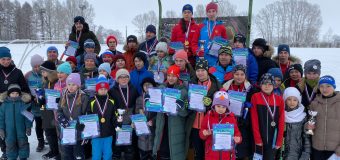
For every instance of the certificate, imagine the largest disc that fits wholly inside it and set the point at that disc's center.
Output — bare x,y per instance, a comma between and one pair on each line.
139,121
240,56
69,134
90,84
237,100
51,99
196,95
91,129
28,115
155,102
223,137
176,45
123,136
72,48
170,105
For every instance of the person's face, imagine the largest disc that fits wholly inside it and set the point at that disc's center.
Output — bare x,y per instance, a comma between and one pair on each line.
52,55
238,44
220,109
132,44
172,79
120,63
6,61
292,102
112,44
160,54
108,59
14,94
44,73
283,56
187,15
123,80
62,76
72,88
36,68
146,87
267,88
102,91
294,75
89,50
103,72
212,14
180,63
72,64
326,89
278,82
312,75
139,63
89,63
257,51
239,77
202,74
224,59
79,26
149,35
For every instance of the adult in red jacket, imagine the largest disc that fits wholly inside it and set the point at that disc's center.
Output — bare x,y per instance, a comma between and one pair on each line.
184,32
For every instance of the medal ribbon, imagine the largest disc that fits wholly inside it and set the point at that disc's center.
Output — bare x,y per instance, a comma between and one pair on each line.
312,95
188,30
7,75
70,109
126,100
272,114
102,111
78,38
148,50
211,32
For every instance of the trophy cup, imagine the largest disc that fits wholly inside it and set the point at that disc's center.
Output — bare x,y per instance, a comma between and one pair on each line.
311,121
201,48
120,117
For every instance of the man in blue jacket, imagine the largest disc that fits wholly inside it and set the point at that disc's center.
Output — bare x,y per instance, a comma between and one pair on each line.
140,71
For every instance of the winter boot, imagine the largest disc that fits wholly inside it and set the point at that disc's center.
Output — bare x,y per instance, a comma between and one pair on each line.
41,145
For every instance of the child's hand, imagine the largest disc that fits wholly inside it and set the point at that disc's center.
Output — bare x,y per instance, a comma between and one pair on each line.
206,132
237,139
150,123
310,126
28,131
277,147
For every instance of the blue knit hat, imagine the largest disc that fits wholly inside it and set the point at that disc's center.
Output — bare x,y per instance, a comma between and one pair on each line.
89,43
188,7
283,47
151,28
5,52
52,48
65,68
327,80
276,72
106,67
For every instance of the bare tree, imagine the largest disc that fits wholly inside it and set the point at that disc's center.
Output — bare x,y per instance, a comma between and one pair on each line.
199,11
170,14
141,21
226,9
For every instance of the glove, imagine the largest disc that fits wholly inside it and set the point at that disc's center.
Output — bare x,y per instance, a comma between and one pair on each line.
80,127
146,97
2,134
57,100
171,51
200,53
63,121
259,149
207,101
28,131
180,103
247,105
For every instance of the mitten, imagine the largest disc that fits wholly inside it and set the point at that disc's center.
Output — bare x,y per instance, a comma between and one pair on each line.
80,127
63,121
28,131
180,103
207,101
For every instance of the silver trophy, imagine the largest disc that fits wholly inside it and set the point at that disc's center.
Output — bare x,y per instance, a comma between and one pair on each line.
201,47
311,121
120,117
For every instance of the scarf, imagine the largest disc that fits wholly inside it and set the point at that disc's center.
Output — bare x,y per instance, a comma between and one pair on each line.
296,115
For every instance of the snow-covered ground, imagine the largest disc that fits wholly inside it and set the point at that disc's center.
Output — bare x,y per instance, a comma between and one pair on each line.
329,57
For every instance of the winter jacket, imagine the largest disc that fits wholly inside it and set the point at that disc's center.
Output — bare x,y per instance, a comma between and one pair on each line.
308,92
291,60
115,52
261,119
265,62
81,61
60,86
14,124
148,47
108,127
218,30
210,119
160,65
86,74
34,79
175,127
48,118
188,75
16,77
128,55
119,101
327,127
252,68
137,77
85,34
178,35
222,74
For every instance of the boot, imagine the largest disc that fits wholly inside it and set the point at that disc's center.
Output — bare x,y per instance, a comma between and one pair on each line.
41,145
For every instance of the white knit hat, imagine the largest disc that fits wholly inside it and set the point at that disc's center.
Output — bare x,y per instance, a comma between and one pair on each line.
162,46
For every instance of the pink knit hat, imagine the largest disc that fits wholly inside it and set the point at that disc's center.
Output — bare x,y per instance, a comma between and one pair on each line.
74,78
182,54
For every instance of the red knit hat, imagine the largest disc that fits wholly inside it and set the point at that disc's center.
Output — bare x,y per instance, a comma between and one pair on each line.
211,5
175,70
72,59
182,54
102,82
118,56
111,37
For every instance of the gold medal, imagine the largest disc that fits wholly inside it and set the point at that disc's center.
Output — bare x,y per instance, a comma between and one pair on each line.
186,43
102,120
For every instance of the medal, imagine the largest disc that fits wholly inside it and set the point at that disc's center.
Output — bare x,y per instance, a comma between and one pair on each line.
272,113
186,43
102,120
273,124
7,75
5,81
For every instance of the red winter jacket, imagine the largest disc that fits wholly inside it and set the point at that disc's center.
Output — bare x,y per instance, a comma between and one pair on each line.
209,120
261,119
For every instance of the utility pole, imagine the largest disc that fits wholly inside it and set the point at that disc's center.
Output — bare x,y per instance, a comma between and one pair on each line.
159,18
250,13
42,11
82,8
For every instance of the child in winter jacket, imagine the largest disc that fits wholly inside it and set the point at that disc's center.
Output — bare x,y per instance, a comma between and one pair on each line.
72,105
295,118
159,64
267,117
106,108
219,114
89,47
63,70
277,73
14,126
88,71
105,70
326,138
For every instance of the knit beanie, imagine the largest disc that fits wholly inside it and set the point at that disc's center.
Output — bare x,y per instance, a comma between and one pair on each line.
221,98
150,28
162,46
79,19
65,68
239,67
5,52
74,78
36,60
283,47
226,49
111,37
106,67
188,7
131,38
292,92
312,65
267,78
92,56
211,5
260,42
327,80
13,88
202,64
52,48
175,70
118,56
297,67
72,59
276,72
148,80
89,43
240,38
107,52
181,54
48,66
121,72
102,82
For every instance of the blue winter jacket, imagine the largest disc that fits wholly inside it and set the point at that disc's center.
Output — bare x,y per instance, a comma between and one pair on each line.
219,72
34,81
252,68
137,76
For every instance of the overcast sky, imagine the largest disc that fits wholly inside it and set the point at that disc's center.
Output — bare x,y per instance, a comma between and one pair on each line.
116,14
